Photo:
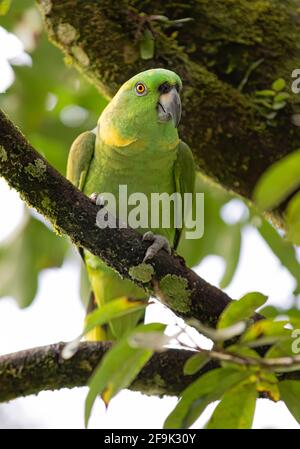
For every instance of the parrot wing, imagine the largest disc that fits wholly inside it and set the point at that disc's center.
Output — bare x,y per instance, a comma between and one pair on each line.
79,160
106,284
185,175
80,156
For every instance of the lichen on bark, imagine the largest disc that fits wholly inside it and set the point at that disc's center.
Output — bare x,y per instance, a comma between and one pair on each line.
176,290
142,272
3,154
36,169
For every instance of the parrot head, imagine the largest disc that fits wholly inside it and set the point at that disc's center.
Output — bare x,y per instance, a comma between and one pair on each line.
146,107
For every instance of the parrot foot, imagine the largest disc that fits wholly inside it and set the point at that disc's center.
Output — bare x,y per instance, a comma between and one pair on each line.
158,242
97,199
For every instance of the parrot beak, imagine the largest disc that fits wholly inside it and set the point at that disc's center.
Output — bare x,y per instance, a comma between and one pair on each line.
169,107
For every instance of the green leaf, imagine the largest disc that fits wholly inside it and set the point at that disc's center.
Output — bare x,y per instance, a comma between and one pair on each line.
236,409
241,310
33,248
283,250
155,341
279,85
249,71
85,286
195,398
292,218
278,105
281,97
293,312
278,182
106,313
242,351
265,329
113,309
265,93
264,103
290,394
195,363
232,247
268,383
160,18
147,45
271,115
15,14
183,20
118,368
269,312
4,6
283,348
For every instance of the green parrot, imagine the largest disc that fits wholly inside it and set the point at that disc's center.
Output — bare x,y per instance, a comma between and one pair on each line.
135,144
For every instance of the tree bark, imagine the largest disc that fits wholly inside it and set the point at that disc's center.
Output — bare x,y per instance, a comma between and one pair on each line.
232,142
39,369
74,214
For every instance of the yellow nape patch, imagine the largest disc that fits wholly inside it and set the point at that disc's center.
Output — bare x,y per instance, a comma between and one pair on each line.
110,136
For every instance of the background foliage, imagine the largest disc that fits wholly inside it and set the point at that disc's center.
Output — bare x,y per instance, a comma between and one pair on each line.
52,104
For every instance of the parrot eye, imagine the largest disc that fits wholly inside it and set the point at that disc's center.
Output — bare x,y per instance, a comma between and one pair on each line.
140,89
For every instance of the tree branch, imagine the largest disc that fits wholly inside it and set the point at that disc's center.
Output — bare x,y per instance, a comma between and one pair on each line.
231,140
39,369
72,213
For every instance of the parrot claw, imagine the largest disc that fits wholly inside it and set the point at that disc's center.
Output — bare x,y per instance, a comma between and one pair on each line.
93,197
158,242
97,199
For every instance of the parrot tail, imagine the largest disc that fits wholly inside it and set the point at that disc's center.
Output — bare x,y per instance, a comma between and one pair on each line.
99,333
107,285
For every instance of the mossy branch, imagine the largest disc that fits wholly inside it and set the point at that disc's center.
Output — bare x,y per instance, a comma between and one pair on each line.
232,141
39,369
74,214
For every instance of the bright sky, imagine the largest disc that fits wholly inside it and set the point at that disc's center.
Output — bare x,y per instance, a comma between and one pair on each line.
57,315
